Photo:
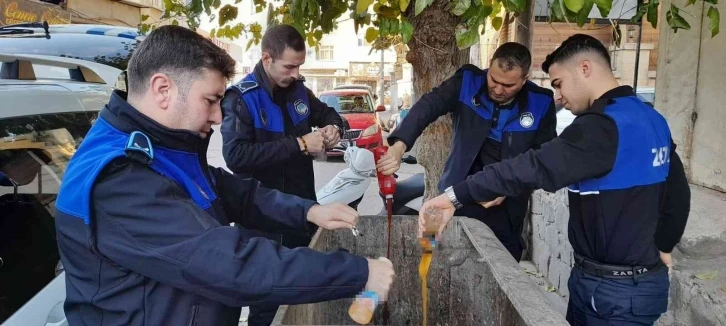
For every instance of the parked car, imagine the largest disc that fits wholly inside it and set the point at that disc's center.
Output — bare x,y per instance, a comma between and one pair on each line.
47,105
103,44
356,106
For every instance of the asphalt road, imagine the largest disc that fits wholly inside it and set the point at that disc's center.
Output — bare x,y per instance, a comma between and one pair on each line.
324,172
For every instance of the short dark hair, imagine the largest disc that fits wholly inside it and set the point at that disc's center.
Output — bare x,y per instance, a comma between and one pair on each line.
178,52
279,37
512,55
574,45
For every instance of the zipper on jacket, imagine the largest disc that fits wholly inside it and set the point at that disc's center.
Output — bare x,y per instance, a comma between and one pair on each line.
193,316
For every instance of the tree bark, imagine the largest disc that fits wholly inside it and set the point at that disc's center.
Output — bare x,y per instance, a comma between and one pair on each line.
525,26
435,57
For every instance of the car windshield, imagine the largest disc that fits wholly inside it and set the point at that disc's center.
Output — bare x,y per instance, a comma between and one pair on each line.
348,103
109,50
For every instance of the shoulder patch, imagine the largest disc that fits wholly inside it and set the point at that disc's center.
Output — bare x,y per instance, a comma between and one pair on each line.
140,143
301,78
246,86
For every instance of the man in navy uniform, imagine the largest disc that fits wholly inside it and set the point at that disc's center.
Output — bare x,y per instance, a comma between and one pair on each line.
267,131
628,194
143,222
267,124
497,114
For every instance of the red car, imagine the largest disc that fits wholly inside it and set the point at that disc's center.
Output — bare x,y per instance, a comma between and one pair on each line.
356,106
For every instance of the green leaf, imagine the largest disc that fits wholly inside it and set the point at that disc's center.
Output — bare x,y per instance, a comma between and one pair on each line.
406,30
715,17
550,288
642,10
227,14
574,5
362,6
617,34
388,12
460,7
496,9
714,2
421,5
497,23
175,22
517,5
311,39
690,2
653,13
371,34
604,6
723,289
709,275
466,37
584,12
144,17
675,20
403,5
318,35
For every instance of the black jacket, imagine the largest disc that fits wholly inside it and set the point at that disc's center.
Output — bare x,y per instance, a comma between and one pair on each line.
465,96
143,232
629,196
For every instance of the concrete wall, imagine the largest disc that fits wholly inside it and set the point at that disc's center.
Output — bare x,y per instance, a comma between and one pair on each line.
690,94
472,279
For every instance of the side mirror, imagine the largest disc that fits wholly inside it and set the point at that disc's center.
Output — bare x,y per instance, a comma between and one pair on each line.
380,108
409,159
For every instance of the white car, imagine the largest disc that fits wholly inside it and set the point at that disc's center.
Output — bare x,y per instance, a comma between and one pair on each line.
47,104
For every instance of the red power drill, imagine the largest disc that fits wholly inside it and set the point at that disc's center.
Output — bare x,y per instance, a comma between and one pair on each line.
386,183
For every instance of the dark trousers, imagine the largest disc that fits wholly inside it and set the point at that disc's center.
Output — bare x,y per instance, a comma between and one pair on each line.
497,218
264,314
596,301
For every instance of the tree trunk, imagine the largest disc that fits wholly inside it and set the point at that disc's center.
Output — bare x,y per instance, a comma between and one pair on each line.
525,27
435,57
504,31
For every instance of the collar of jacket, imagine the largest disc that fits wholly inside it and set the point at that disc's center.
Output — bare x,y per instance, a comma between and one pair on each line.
607,98
124,117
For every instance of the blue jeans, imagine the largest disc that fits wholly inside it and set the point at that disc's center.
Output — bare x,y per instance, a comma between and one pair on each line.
603,301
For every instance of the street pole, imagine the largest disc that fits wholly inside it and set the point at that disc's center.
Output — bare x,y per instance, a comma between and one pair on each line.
383,79
637,53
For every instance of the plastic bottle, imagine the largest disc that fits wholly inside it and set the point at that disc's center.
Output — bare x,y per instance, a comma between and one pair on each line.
361,311
432,221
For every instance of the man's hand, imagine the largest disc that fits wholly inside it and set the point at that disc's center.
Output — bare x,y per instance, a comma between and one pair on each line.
667,260
441,202
380,277
391,161
331,135
492,203
315,142
333,216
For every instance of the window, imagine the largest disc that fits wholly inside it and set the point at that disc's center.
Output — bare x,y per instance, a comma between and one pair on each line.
34,154
349,103
109,50
325,53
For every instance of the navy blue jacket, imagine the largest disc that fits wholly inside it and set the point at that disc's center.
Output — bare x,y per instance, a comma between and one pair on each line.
144,236
465,96
628,193
260,128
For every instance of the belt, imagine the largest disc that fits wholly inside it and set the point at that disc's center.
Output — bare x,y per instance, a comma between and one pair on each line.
614,271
